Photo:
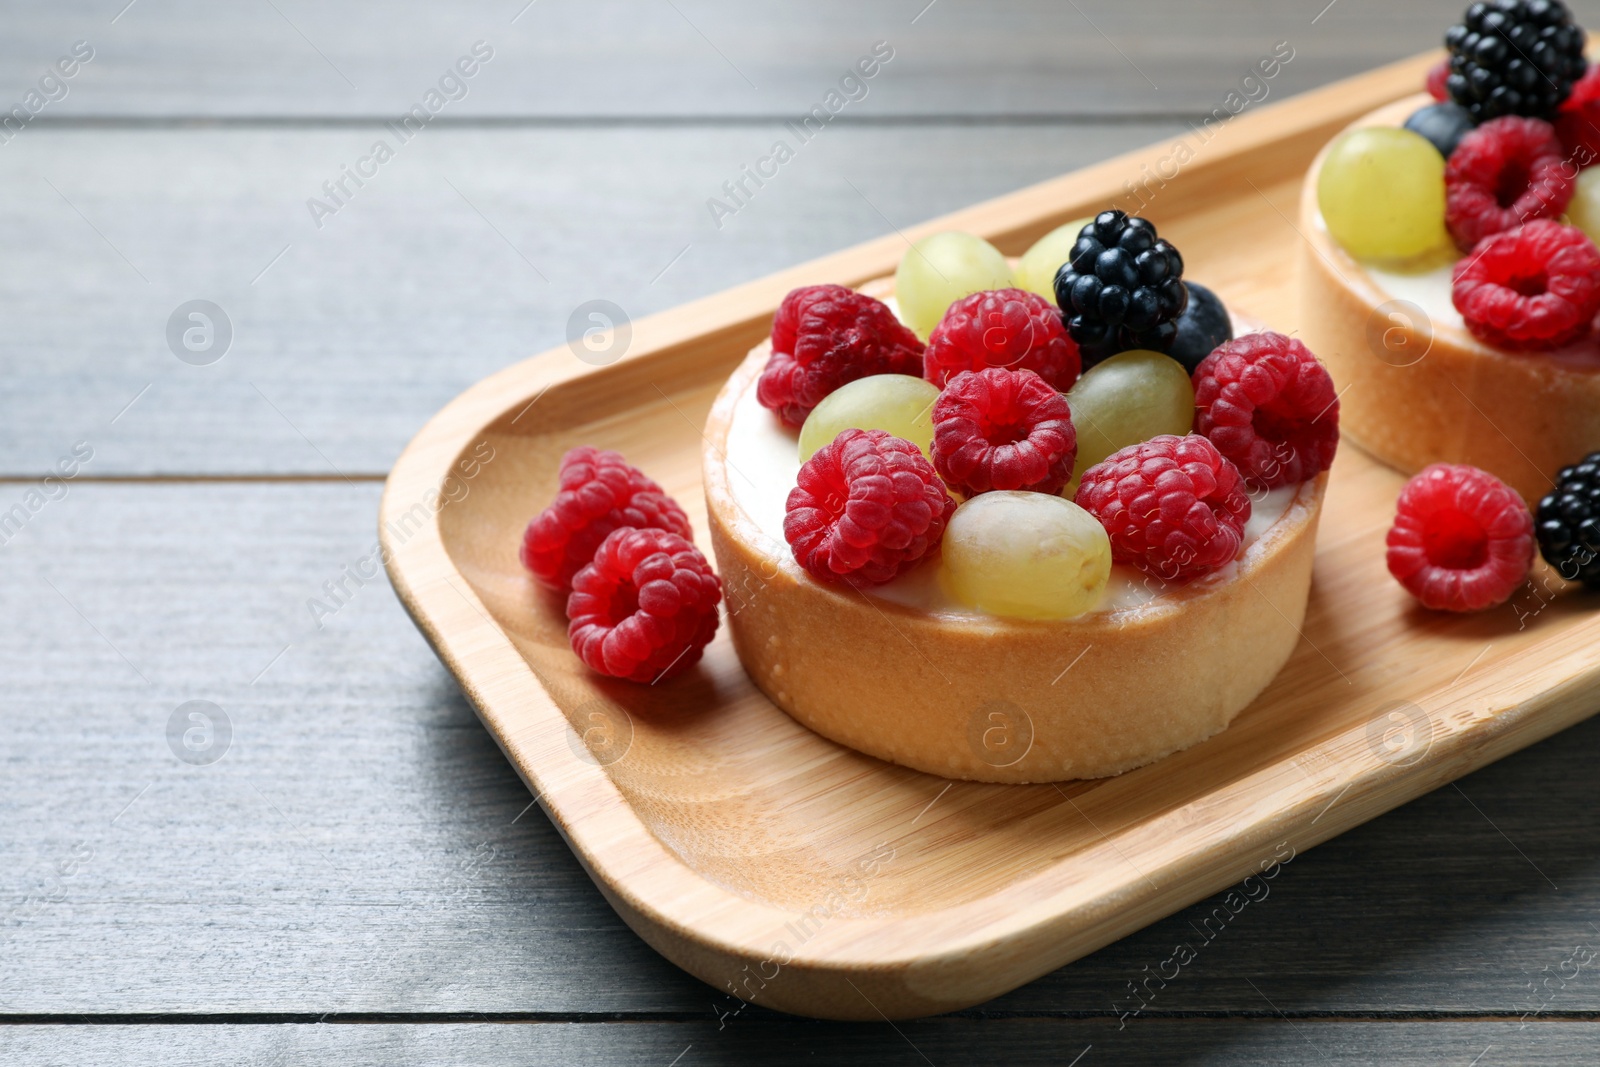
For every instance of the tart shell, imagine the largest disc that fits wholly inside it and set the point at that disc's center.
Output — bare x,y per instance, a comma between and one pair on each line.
1415,392
1001,700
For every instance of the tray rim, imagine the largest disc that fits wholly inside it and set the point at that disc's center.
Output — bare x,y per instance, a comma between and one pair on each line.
1058,913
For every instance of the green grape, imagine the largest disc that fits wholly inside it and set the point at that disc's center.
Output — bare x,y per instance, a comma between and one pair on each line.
898,403
941,269
1381,191
1129,398
1026,555
1584,211
1036,271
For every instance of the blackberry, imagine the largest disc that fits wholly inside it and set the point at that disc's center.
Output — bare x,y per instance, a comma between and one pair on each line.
1122,288
1568,523
1514,57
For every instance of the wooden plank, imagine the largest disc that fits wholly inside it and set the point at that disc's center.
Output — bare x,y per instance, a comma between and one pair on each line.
1199,1042
334,859
703,57
727,820
470,250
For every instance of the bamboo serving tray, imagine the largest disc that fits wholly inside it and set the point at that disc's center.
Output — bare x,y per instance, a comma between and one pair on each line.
803,876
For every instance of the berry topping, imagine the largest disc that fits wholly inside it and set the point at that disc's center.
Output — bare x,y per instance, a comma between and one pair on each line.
824,336
1436,79
1002,429
1269,406
941,269
1578,122
1533,287
645,606
599,492
1131,397
1514,57
1503,174
1443,125
1204,325
1568,523
1174,507
1381,193
1026,555
866,507
1002,328
1122,288
1462,539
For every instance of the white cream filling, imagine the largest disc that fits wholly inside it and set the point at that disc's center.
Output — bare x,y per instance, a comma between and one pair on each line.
1429,288
763,461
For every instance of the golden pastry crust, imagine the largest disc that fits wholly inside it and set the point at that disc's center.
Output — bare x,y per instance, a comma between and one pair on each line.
1413,394
1004,700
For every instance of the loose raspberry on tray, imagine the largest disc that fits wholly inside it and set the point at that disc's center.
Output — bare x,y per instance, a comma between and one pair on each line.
1505,173
1010,328
1002,429
1174,507
645,607
599,492
1269,406
824,336
866,507
1530,288
1462,539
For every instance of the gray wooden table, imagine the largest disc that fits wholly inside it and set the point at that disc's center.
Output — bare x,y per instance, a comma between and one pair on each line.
347,846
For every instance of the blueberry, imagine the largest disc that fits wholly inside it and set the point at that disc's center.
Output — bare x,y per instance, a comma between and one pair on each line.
1203,326
1442,124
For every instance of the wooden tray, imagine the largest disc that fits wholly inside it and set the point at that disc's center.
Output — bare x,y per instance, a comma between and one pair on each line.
778,866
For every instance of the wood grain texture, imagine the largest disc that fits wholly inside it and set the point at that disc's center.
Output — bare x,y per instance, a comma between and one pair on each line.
704,57
469,251
726,823
331,860
1192,1042
215,903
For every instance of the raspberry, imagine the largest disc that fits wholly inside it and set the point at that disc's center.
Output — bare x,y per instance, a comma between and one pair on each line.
1568,523
645,607
1002,328
1534,287
1436,80
599,493
1269,406
1002,429
824,336
1578,121
1462,539
866,507
1174,507
1503,174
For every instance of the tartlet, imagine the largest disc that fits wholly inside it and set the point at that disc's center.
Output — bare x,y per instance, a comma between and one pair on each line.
993,699
1415,386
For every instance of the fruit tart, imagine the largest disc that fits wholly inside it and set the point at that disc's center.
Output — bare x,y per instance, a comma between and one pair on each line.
1019,522
1449,277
